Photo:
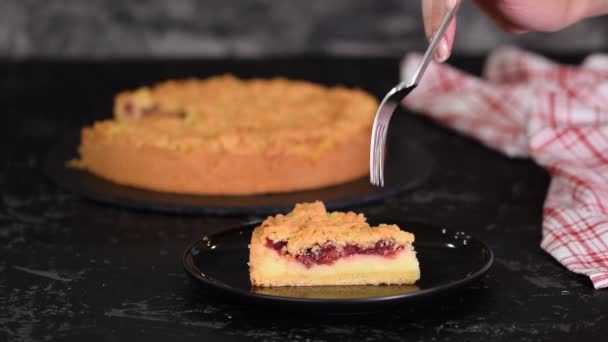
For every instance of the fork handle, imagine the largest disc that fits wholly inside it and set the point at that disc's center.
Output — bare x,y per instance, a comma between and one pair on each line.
426,59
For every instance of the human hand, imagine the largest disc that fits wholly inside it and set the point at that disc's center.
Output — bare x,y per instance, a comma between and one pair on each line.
516,16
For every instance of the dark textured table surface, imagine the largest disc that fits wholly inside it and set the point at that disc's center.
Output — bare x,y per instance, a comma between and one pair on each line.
72,269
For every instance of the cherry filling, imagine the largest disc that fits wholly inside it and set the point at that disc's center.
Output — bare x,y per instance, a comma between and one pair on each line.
329,253
133,112
129,109
277,246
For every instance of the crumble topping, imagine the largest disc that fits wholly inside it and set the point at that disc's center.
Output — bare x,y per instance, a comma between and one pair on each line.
224,113
309,227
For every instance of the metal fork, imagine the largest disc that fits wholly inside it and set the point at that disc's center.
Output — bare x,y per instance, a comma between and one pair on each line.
392,100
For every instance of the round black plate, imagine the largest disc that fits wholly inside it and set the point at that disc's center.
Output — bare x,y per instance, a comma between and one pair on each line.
408,165
448,260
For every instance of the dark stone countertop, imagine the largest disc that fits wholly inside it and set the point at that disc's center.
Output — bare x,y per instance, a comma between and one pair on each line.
72,269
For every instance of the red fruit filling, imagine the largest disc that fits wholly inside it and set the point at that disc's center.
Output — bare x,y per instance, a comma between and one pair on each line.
329,253
277,246
132,112
129,109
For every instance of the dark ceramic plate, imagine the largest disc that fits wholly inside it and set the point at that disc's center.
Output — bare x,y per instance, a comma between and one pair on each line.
448,260
408,165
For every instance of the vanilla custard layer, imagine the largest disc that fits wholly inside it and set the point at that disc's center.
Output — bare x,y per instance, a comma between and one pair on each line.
271,269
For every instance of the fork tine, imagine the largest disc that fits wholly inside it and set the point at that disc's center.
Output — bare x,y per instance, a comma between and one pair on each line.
377,154
374,157
373,173
373,164
382,154
375,151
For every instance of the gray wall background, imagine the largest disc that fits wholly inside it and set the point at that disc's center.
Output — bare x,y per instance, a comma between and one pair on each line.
252,28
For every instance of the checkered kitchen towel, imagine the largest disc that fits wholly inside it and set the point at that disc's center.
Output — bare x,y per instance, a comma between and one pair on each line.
527,106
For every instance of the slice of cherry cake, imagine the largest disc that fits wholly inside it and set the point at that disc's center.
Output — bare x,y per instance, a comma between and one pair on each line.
310,246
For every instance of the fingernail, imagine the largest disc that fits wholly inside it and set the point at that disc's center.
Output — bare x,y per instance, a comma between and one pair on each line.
441,52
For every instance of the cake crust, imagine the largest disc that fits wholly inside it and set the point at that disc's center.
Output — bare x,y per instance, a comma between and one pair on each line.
309,225
226,136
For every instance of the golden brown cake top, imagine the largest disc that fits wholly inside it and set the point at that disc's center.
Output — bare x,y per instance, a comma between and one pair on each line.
229,114
309,225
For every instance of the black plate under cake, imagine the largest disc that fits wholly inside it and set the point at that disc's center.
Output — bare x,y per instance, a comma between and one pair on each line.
448,260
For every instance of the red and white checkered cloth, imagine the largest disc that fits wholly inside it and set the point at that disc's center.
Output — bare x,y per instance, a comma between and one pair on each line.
527,106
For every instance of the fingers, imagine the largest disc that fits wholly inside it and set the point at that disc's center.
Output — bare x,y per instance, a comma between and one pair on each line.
444,49
432,14
519,16
427,16
489,8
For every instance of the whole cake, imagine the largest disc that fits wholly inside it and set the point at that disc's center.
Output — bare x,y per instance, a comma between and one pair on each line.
227,136
312,247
